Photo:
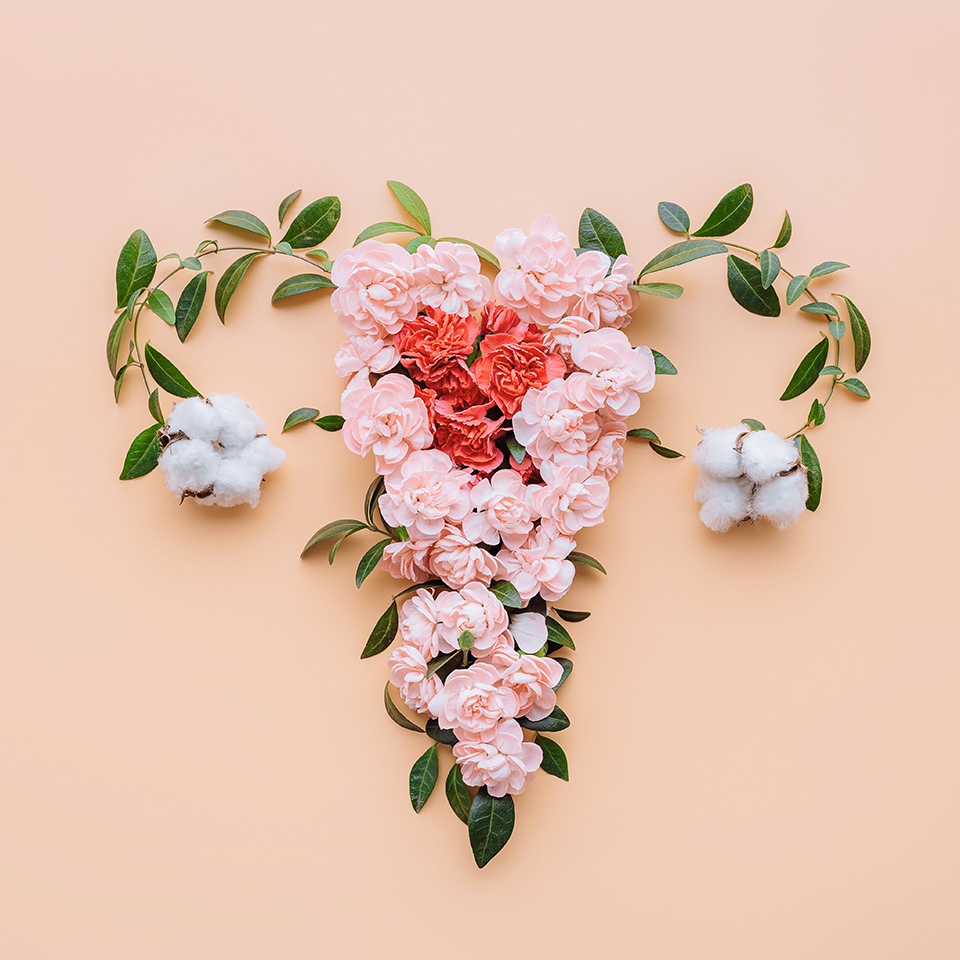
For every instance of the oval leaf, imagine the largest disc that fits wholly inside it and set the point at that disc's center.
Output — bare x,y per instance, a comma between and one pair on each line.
806,374
673,217
438,733
189,304
395,714
507,594
672,291
769,268
153,405
285,205
557,720
857,387
411,203
586,560
369,561
166,374
786,232
331,423
335,529
748,290
820,307
796,286
314,223
191,263
666,452
837,329
385,226
383,633
244,221
135,266
228,283
571,616
817,414
490,824
642,433
753,424
554,759
458,796
662,365
810,460
143,454
302,283
162,306
683,252
301,415
729,214
482,252
597,232
860,332
567,670
828,266
557,633
423,777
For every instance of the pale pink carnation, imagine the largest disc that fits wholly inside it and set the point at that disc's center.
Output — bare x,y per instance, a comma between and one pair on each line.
532,679
474,608
605,457
376,289
605,298
387,418
571,496
539,565
503,653
420,624
449,277
541,279
471,703
503,762
457,560
364,355
614,373
408,672
529,631
564,333
548,423
407,560
504,510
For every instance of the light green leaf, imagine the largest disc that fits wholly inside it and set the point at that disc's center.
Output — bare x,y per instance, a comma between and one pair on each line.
285,204
769,268
298,416
748,290
837,329
162,306
302,283
135,266
490,824
673,217
860,332
244,221
662,365
554,759
383,633
820,307
683,252
314,223
807,372
856,387
167,375
786,232
729,214
482,252
412,203
335,529
831,371
810,460
597,232
395,714
143,454
284,248
368,562
423,777
753,424
201,246
672,291
828,266
586,560
385,226
796,286
458,796
189,304
228,283
191,263
517,451
418,242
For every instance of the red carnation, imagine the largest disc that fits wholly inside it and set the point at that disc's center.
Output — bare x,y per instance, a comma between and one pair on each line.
432,338
467,436
512,363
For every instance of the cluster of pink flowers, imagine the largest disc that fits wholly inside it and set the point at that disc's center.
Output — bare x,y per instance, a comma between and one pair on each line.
496,417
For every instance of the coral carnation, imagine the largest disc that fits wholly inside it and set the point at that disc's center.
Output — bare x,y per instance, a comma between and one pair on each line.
510,364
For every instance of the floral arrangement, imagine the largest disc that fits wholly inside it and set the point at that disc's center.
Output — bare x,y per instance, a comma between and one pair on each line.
495,411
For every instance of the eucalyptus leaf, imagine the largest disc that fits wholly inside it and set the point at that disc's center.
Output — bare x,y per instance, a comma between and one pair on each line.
557,721
368,562
285,204
423,777
748,290
860,332
228,283
412,203
482,252
666,452
554,759
769,268
557,633
597,232
302,283
383,633
642,433
435,732
753,424
571,616
189,304
135,266
162,306
153,405
567,670
786,232
662,365
298,416
458,796
244,221
683,252
796,286
856,387
586,560
673,217
395,713
314,223
507,594
671,291
331,423
729,214
490,824
385,226
820,307
335,529
837,329
807,372
810,460
143,454
828,266
167,375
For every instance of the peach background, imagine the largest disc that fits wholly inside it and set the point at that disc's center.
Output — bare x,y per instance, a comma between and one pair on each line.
196,765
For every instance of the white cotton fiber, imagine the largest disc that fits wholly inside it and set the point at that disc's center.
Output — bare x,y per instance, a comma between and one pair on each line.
262,455
237,482
189,465
763,455
717,451
782,499
239,424
725,501
196,418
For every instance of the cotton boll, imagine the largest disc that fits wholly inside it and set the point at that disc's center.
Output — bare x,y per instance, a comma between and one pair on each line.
236,482
263,455
239,424
782,499
196,418
717,452
189,466
763,455
725,502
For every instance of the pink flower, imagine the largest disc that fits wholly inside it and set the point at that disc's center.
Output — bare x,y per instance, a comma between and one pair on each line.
467,436
529,631
616,372
545,281
562,335
549,423
423,492
449,277
367,354
605,298
504,510
407,560
435,337
572,497
605,457
457,560
376,290
408,672
386,418
471,703
420,624
474,608
503,763
539,565
532,679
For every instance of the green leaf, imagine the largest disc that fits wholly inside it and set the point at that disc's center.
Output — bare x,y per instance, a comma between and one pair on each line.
567,670
175,256
554,759
817,414
314,223
114,340
385,226
753,424
860,331
837,329
482,252
507,594
166,374
191,263
557,721
383,632
828,266
336,546
284,248
412,203
597,232
666,452
318,252
490,824
162,306
571,616
769,268
438,663
683,252
136,266
228,283
729,214
516,449
786,232
335,529
820,307
806,374
810,460
153,405
143,454
395,714
201,246
370,500
418,242
586,560
642,433
118,382
435,732
672,291
285,205
189,304
796,286
302,283
856,387
300,415
673,217
557,633
831,371
748,290
458,796
243,220
662,365
369,561
423,777
331,423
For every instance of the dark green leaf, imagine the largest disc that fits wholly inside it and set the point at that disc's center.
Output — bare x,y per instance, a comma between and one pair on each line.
729,214
143,454
769,268
673,217
118,382
490,825
411,203
285,205
672,291
666,452
423,777
748,290
662,365
828,266
189,304
683,252
753,424
369,561
817,414
837,329
385,226
860,331
796,286
557,633
166,374
810,460
438,663
786,231
567,670
135,267
554,759
314,223
370,500
114,340
586,560
395,714
642,433
300,415
302,283
458,796
162,306
571,616
856,387
507,594
228,283
557,720
336,546
191,263
806,374
482,252
599,233
383,632
820,307
435,732
418,242
335,529
831,371
153,405
516,449
331,423
243,220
